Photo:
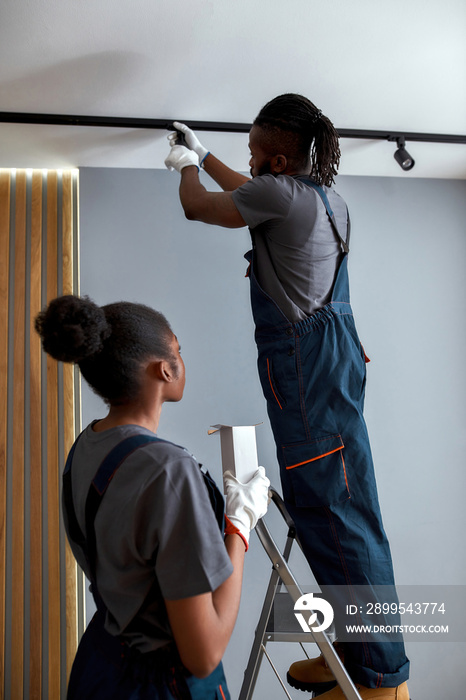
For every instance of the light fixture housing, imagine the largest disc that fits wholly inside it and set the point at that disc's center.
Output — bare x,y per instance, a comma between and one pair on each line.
401,155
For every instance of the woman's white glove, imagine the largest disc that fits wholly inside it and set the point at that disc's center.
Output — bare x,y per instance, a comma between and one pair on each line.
191,140
246,503
180,157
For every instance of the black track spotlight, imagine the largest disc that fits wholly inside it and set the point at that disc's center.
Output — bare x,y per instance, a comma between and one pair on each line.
402,156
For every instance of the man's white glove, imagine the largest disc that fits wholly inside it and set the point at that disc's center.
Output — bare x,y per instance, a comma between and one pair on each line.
191,139
180,157
246,503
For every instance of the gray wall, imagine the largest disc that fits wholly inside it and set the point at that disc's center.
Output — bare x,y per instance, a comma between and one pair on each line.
408,293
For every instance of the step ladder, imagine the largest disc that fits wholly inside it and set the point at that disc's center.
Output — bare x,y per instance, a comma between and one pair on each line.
271,628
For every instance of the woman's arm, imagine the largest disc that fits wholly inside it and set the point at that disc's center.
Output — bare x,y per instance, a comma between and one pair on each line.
202,625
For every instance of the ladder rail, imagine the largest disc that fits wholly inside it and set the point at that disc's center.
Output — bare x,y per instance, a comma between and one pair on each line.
282,573
257,651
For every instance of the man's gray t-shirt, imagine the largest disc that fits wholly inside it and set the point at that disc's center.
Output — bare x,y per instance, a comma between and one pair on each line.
297,252
156,533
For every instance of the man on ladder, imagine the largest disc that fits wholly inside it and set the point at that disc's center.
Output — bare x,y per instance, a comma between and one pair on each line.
311,363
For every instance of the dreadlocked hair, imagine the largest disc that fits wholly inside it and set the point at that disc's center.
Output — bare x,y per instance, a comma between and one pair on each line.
295,123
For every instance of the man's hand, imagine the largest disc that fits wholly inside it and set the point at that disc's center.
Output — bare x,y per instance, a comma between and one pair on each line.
224,176
181,157
191,139
199,204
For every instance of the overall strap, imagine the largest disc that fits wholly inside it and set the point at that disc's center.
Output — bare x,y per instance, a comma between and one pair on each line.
320,191
216,498
99,485
75,531
105,473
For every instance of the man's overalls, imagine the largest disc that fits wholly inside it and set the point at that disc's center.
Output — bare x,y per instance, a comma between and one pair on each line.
313,375
106,667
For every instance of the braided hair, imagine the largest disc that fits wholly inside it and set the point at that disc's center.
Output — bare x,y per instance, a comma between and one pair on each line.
295,123
108,343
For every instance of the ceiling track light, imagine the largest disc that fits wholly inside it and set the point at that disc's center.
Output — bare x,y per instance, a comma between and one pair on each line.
401,155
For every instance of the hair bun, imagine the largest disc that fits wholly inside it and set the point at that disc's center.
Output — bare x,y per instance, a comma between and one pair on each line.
72,328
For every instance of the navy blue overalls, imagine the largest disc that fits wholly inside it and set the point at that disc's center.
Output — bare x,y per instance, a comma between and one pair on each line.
313,375
106,667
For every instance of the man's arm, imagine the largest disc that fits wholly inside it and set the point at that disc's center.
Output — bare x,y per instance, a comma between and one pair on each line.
210,207
224,176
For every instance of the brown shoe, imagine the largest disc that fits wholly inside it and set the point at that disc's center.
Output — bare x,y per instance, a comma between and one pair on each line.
398,693
313,674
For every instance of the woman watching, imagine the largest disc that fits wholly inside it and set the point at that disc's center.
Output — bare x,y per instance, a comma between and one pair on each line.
144,521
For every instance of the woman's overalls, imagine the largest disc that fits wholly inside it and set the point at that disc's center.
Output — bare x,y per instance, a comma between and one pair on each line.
106,667
313,375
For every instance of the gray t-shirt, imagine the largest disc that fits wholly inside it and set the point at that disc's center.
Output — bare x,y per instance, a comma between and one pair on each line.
297,252
156,533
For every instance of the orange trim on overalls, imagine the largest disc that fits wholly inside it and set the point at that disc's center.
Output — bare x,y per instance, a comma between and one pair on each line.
221,692
271,385
366,359
313,459
344,471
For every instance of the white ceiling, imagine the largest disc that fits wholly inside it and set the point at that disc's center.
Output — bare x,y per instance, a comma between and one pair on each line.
392,65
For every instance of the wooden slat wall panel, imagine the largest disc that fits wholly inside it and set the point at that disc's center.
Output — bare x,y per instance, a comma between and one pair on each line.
42,237
5,191
35,467
69,416
18,514
53,488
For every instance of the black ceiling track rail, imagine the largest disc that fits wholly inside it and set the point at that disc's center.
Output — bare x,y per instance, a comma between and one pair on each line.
230,127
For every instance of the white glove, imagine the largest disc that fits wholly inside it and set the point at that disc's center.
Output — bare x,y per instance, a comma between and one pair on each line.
246,503
180,157
191,139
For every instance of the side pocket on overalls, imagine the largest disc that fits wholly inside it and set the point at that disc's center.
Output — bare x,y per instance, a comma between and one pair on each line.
317,472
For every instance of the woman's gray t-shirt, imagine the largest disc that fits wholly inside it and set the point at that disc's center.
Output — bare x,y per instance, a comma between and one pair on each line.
156,533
